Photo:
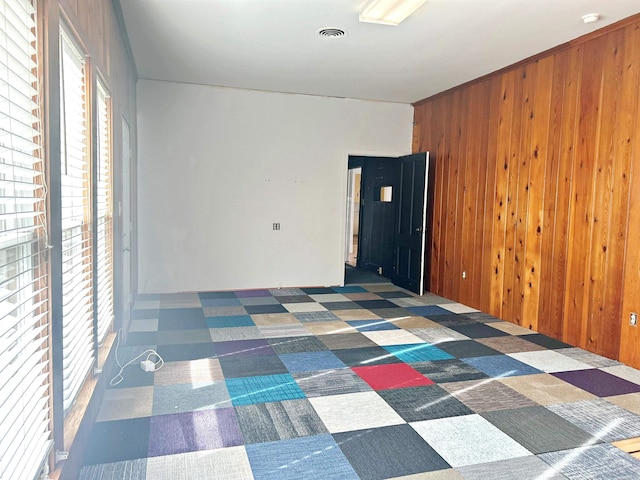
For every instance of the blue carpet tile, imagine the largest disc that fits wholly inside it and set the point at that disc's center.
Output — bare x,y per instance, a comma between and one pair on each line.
357,382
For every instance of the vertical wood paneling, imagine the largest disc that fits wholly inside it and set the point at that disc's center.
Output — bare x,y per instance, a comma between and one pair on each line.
629,144
537,156
536,169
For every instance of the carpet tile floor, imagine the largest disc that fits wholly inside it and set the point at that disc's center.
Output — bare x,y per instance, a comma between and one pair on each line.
356,382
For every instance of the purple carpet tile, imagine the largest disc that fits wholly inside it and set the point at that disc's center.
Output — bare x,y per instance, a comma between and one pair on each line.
599,383
193,431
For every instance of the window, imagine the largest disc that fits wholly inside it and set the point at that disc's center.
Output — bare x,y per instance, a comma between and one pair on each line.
77,262
24,330
104,215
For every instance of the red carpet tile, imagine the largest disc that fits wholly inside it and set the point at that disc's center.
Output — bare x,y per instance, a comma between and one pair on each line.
395,375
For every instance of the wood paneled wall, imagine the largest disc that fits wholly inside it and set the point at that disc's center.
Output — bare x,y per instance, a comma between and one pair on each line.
537,194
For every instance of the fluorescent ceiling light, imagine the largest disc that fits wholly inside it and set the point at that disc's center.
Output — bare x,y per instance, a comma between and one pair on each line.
389,12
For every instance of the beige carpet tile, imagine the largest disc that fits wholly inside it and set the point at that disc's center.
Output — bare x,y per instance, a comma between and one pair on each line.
362,296
355,314
124,403
203,371
273,319
487,395
629,401
329,328
546,389
510,344
222,464
511,328
413,322
458,308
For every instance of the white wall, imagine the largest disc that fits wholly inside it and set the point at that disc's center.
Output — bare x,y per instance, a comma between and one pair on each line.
218,166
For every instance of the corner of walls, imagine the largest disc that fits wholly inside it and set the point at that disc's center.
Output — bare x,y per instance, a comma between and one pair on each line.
218,166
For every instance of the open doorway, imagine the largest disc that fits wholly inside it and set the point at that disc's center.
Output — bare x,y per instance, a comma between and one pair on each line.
387,220
353,216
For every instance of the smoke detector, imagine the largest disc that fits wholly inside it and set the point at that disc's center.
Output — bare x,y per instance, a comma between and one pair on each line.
591,18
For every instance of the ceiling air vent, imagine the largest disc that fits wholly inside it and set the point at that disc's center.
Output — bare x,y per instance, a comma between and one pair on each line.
331,33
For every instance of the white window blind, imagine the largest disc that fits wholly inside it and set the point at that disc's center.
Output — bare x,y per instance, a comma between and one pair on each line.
104,217
77,269
24,332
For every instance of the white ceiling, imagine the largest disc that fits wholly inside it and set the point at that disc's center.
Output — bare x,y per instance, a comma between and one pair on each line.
272,44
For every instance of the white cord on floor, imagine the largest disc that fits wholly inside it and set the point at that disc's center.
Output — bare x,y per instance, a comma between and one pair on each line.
150,353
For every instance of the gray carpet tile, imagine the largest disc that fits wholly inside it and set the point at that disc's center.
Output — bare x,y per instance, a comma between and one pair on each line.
599,462
297,344
600,418
228,334
185,398
391,313
452,320
315,316
286,330
127,470
467,349
285,292
235,366
487,395
267,422
330,382
249,301
482,317
589,358
521,468
409,302
539,429
438,335
341,341
295,299
424,403
468,440
389,451
443,371
223,311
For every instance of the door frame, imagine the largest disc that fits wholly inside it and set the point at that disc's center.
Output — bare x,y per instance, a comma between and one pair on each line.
430,193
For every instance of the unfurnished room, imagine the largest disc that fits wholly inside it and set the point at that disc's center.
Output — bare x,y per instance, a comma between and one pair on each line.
319,239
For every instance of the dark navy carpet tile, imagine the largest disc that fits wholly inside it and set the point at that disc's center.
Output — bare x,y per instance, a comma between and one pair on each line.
544,341
467,348
428,310
118,440
372,304
178,318
261,309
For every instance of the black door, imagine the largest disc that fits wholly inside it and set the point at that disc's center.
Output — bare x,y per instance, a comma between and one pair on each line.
410,231
379,198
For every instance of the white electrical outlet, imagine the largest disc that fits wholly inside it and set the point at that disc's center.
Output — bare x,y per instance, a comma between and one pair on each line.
633,319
